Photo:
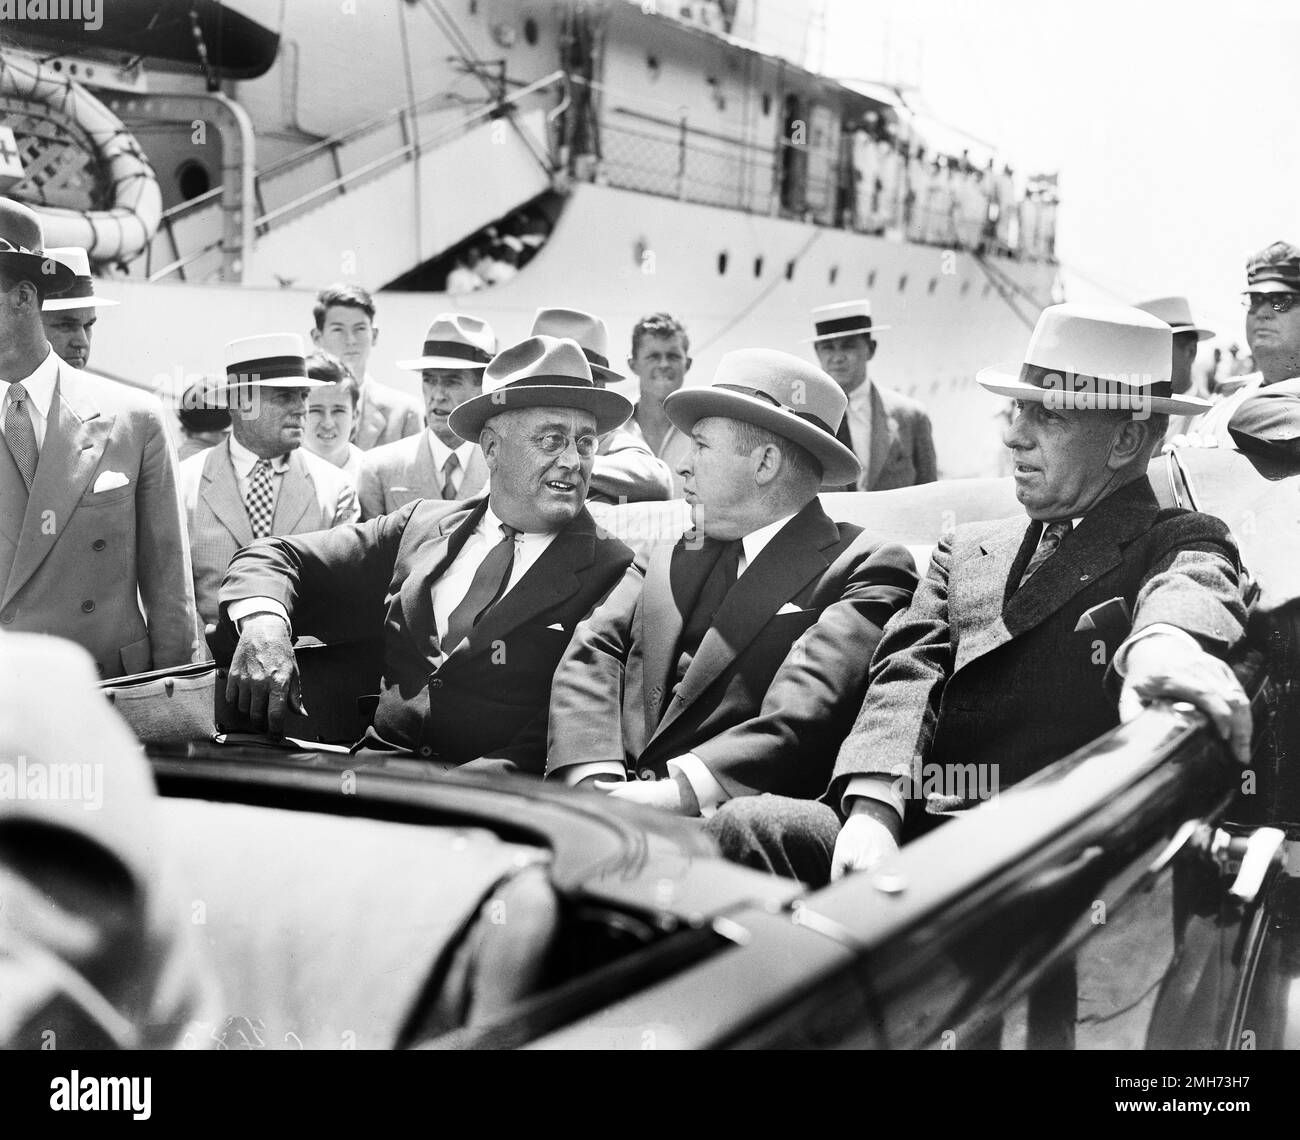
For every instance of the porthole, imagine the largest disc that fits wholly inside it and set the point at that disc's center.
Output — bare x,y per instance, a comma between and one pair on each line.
965,288
767,103
193,179
871,279
902,283
934,284
722,263
834,273
789,270
530,32
758,267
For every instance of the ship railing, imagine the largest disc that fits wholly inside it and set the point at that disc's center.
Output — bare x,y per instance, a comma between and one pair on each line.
332,166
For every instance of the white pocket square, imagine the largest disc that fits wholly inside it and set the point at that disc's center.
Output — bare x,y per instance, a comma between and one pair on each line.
109,481
789,608
557,625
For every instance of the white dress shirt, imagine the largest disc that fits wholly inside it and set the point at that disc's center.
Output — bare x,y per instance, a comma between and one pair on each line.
859,417
40,394
463,453
244,461
708,791
450,589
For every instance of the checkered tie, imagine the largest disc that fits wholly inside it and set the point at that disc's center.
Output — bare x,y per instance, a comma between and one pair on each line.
261,499
449,469
20,435
1047,545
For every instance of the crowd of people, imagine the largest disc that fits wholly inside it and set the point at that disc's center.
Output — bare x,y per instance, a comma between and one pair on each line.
792,681
938,199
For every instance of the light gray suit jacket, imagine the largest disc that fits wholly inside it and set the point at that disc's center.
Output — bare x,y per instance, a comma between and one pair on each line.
78,563
314,495
385,415
397,473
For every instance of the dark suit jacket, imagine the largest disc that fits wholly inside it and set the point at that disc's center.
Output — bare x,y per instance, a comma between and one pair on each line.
902,444
975,674
613,696
1268,422
489,698
108,568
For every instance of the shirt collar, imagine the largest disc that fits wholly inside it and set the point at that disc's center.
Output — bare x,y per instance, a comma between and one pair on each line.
861,397
441,451
755,540
39,383
245,460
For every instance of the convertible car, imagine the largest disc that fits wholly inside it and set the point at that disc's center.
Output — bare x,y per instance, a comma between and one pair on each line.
1141,892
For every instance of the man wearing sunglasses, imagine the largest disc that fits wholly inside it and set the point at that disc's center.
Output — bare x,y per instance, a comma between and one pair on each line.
1264,413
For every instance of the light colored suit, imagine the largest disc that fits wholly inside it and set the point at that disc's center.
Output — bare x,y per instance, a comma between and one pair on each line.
78,563
385,415
313,495
902,444
398,473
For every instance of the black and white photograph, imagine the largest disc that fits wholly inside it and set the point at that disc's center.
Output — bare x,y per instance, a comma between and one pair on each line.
649,527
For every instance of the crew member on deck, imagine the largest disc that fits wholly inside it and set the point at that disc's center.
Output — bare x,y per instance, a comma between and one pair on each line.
888,432
661,357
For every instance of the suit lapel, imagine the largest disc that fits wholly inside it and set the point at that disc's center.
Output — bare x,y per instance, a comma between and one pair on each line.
987,618
884,436
75,437
549,581
785,565
13,501
297,496
671,575
424,474
417,590
219,489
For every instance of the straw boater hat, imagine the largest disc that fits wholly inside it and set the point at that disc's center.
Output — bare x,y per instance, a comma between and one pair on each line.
540,372
1095,357
848,318
82,293
22,248
455,340
1177,313
780,392
590,333
277,360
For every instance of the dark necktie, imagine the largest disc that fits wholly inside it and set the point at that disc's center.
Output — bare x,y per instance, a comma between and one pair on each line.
1052,536
712,594
449,469
20,434
845,436
488,585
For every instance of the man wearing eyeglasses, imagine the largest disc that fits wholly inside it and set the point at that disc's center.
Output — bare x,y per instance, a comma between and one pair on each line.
1264,413
476,601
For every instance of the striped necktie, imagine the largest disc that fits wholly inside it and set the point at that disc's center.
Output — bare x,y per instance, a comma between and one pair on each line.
1052,536
20,434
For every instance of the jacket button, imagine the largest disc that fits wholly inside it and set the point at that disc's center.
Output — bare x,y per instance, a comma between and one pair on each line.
435,682
87,607
7,617
425,751
645,774
98,544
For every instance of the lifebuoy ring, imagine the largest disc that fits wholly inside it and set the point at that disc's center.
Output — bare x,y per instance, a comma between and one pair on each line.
124,231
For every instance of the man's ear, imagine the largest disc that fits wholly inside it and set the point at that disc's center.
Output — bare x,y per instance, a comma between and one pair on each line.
374,335
488,441
871,348
768,464
687,368
315,337
1128,442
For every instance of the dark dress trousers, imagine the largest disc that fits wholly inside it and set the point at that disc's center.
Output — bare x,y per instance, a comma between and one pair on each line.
488,698
636,687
